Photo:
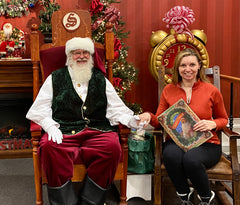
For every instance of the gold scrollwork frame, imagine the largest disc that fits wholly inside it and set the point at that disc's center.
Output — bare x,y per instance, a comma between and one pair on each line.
157,53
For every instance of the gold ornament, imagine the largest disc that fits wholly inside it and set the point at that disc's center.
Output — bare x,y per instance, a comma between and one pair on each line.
200,34
157,37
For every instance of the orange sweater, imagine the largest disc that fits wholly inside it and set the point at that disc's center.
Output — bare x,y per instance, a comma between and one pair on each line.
206,102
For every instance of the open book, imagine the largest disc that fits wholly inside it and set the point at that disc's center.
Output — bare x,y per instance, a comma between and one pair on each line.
178,121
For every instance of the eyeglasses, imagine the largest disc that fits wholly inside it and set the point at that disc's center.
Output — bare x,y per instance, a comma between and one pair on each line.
79,53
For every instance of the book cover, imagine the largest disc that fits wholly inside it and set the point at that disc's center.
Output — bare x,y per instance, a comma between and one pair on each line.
178,121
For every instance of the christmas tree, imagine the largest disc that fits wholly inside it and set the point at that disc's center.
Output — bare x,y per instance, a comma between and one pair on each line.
124,73
46,14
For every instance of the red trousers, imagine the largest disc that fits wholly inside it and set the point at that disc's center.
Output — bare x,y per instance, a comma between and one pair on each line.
99,151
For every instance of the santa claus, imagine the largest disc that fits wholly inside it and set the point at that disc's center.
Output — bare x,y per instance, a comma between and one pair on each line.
7,45
7,29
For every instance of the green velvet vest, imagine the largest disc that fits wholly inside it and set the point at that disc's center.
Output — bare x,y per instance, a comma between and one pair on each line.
68,108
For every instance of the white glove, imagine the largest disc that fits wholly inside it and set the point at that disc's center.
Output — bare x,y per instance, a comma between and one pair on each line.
141,125
133,122
140,130
54,134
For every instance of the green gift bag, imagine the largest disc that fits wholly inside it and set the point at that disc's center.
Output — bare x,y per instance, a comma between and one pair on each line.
141,154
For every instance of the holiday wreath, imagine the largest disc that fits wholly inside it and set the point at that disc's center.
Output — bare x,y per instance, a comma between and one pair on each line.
16,8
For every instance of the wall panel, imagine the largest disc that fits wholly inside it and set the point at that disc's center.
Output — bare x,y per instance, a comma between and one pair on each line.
220,19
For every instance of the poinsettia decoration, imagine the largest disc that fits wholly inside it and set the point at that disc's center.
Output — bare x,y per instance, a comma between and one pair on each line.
96,7
124,73
16,8
117,82
117,47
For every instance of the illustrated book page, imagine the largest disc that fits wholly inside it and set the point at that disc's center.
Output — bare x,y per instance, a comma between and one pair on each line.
178,121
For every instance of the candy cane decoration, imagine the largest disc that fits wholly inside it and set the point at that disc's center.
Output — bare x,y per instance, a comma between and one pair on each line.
178,18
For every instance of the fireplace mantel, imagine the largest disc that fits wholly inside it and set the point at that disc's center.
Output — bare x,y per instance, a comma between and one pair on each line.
16,76
16,79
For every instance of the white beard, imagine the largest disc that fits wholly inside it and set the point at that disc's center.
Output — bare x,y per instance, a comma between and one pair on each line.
81,73
7,31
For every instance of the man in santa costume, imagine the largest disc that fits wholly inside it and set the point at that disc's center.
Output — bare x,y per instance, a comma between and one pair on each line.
79,109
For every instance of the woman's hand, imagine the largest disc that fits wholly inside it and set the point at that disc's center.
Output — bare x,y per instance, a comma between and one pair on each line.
145,118
204,125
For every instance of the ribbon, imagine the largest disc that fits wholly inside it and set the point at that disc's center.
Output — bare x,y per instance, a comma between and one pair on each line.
178,18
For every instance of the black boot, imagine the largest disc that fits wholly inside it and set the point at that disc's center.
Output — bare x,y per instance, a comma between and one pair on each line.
92,194
64,195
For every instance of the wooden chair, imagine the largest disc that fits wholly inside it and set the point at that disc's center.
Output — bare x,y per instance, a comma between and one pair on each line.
226,170
59,36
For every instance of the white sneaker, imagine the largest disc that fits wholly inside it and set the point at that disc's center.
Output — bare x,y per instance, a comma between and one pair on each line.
183,197
210,202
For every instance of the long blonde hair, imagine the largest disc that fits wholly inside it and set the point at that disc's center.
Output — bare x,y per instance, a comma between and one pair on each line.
176,78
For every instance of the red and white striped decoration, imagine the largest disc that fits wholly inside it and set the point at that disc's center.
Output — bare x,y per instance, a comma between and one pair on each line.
178,18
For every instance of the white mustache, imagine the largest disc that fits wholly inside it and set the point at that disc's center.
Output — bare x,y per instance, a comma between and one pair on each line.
81,60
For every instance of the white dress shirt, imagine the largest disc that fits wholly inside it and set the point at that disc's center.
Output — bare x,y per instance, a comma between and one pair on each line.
117,112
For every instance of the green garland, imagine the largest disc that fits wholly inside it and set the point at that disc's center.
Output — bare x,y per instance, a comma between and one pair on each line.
16,8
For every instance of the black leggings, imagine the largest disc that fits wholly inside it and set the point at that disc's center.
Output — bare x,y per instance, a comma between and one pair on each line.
190,165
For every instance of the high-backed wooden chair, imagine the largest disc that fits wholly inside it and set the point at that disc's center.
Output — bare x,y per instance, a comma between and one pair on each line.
226,170
53,55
